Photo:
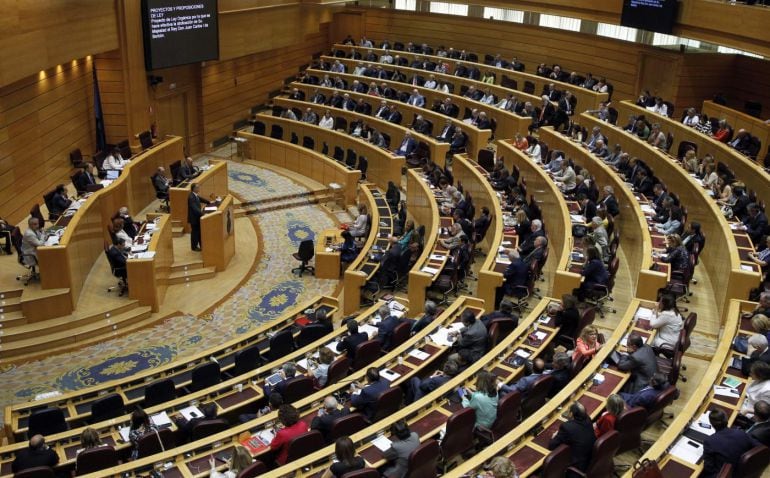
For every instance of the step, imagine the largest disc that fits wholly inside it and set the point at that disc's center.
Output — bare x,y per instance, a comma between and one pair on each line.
177,231
186,265
7,294
45,344
10,304
181,277
64,323
12,319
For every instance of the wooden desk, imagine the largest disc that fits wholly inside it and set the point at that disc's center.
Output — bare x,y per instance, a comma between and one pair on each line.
384,165
67,265
746,170
327,262
635,235
739,120
218,234
587,99
421,204
302,161
721,261
477,138
213,183
147,277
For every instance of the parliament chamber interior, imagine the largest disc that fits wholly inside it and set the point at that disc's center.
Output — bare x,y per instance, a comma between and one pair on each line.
399,238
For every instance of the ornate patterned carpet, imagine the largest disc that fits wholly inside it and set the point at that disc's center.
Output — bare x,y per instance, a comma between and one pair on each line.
265,295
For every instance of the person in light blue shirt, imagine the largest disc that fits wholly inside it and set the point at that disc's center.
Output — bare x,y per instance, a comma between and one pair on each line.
484,400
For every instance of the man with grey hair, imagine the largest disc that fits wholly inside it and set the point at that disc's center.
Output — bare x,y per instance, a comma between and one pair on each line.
430,311
561,373
528,245
600,236
387,326
288,371
608,202
758,352
326,416
455,239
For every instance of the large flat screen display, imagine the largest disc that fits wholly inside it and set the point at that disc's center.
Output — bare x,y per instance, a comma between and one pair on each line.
651,15
177,32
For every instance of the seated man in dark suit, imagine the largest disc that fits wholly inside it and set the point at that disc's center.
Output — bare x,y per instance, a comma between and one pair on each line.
408,145
420,387
524,384
327,415
161,182
560,373
516,275
86,178
187,170
646,396
528,245
364,398
429,315
578,434
37,454
59,202
116,255
458,141
349,343
288,372
472,337
386,327
641,362
726,445
505,311
755,223
447,132
760,430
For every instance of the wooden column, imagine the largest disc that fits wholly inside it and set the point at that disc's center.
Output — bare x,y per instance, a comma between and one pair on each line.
137,100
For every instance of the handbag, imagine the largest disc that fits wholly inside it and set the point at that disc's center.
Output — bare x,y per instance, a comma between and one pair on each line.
647,469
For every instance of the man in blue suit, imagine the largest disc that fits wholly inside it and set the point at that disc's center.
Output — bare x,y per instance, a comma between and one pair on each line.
407,145
416,99
365,398
387,326
646,396
516,274
726,445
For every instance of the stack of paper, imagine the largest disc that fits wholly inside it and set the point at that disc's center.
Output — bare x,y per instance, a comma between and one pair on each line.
644,313
687,450
382,443
419,354
368,330
389,374
161,419
430,270
726,392
333,346
698,425
577,218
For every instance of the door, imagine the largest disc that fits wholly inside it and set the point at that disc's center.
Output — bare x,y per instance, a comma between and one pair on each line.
172,117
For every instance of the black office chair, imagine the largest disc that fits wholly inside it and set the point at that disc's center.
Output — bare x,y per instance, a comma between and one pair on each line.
304,254
259,128
281,344
107,407
204,375
118,271
246,360
308,142
96,459
47,421
145,139
159,392
276,131
363,166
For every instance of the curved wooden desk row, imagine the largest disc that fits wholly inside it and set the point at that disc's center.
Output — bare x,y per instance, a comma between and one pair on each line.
213,182
77,405
233,396
477,138
365,266
556,219
703,398
508,123
67,265
631,223
302,161
527,444
192,458
746,170
739,120
384,166
396,132
587,99
722,262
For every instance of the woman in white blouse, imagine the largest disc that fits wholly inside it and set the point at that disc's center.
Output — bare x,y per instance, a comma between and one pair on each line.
758,389
358,227
327,121
667,322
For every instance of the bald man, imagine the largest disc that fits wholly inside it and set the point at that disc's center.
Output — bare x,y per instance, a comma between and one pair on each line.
37,454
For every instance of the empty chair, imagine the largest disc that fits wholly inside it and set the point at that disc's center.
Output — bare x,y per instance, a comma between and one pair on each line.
459,427
535,399
206,428
298,388
529,87
388,403
76,158
753,462
259,128
304,444
366,353
281,344
422,461
159,392
155,442
252,471
276,131
95,459
294,138
36,472
304,254
308,142
145,139
556,463
106,407
47,421
605,448
339,153
347,425
363,166
629,425
308,335
508,416
246,360
338,370
205,375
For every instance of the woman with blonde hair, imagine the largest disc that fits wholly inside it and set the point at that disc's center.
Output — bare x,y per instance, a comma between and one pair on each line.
761,325
690,161
587,344
239,461
500,467
89,439
606,422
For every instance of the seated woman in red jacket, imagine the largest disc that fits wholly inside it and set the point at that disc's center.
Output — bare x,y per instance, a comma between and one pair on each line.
292,428
606,422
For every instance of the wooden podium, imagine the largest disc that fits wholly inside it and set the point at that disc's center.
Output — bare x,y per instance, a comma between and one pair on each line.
213,182
218,235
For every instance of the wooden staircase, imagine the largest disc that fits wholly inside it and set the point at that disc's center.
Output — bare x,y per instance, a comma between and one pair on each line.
248,208
189,272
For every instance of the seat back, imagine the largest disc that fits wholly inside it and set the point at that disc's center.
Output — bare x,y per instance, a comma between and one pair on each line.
347,425
304,444
630,424
298,388
306,250
508,414
366,353
205,375
400,334
535,399
47,421
556,463
308,142
36,472
145,139
206,428
276,131
753,462
259,128
664,399
247,360
95,459
422,461
338,370
388,403
308,335
459,427
159,392
252,471
281,344
605,448
365,473
106,407
151,443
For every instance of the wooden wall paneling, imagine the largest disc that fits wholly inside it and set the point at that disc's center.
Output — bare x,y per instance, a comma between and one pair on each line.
701,76
754,84
177,105
44,117
135,91
346,23
109,73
